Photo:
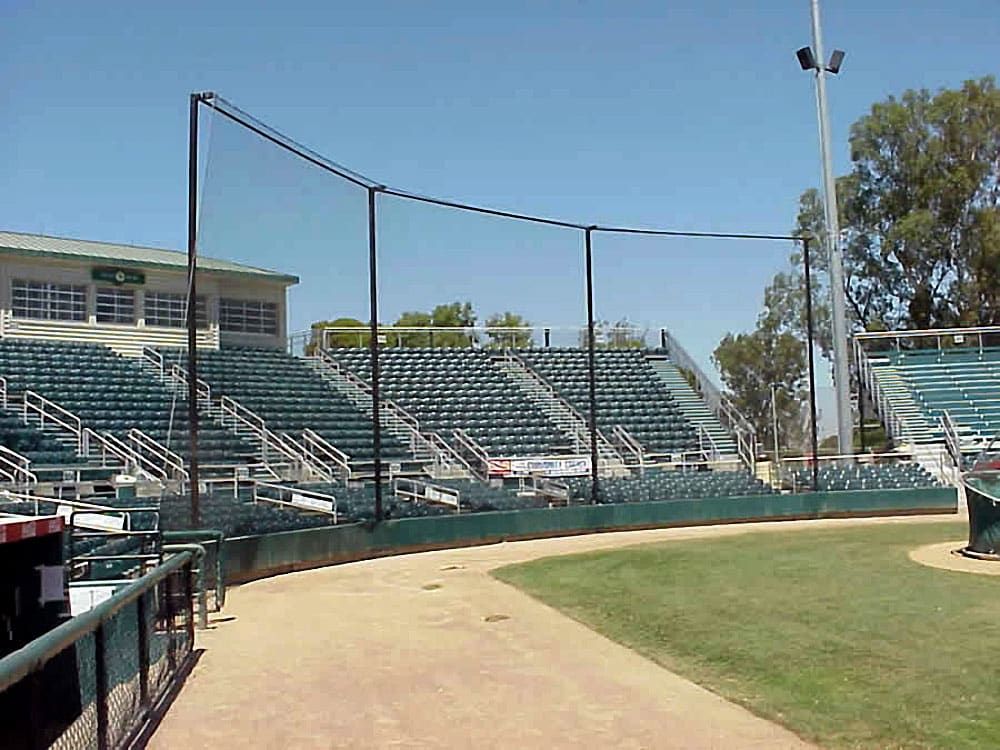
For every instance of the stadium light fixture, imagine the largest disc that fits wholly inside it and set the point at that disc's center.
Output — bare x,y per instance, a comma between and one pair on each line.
809,60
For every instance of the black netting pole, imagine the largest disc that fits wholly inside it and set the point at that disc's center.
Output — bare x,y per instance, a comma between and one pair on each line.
591,369
812,366
192,311
373,349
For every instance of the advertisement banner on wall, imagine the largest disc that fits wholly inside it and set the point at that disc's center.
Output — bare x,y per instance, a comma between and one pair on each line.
564,466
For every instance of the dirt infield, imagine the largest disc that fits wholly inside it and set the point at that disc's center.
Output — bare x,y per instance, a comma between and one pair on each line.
428,650
944,555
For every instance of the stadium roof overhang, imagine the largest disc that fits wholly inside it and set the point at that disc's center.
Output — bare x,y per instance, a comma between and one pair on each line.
41,246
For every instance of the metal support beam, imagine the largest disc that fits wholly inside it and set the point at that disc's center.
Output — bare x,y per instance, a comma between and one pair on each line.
373,347
841,367
591,365
812,366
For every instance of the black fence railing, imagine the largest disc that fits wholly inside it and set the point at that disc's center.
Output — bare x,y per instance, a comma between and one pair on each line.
92,681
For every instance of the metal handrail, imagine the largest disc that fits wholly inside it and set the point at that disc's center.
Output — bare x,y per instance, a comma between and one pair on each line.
298,452
125,452
297,491
391,409
155,357
3,392
464,440
204,390
19,466
170,458
582,423
418,490
312,439
47,410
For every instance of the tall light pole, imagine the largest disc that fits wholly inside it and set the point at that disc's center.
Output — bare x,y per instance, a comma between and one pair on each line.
813,59
774,425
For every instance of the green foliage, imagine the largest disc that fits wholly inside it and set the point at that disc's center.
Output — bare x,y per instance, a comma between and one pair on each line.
507,339
453,315
834,633
749,364
920,211
361,338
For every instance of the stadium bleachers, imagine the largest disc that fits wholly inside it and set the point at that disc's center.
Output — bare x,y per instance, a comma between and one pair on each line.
674,484
292,397
921,385
866,477
114,394
629,394
448,389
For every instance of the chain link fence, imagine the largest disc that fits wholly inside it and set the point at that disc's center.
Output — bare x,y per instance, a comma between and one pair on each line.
92,681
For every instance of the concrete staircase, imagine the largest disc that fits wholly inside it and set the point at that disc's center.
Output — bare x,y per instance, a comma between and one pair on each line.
691,405
571,422
913,423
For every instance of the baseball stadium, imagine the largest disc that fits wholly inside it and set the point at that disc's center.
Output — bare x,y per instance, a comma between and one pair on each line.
226,521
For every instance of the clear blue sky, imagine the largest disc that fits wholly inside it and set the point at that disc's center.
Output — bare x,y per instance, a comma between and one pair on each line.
682,114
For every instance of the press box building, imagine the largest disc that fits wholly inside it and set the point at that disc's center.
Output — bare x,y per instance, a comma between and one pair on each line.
127,297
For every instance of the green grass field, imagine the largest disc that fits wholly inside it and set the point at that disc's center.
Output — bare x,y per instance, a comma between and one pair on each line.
833,633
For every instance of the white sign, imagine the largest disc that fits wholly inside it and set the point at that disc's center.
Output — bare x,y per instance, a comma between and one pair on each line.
549,467
97,521
312,503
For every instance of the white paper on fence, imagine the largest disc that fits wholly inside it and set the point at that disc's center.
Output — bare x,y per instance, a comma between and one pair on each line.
53,583
313,503
85,598
432,493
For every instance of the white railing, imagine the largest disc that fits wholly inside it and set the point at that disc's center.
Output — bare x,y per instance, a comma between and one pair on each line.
480,465
298,498
170,462
883,406
581,433
391,413
16,467
3,392
50,414
628,441
204,390
417,490
321,452
952,441
718,402
108,443
707,443
233,414
155,358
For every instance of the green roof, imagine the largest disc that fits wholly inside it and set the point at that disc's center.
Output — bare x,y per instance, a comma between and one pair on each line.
127,255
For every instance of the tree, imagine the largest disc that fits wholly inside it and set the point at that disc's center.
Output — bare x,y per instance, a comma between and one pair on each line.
454,315
414,319
500,339
619,335
750,363
339,338
920,211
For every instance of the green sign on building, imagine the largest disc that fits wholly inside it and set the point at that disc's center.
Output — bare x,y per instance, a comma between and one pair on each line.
117,276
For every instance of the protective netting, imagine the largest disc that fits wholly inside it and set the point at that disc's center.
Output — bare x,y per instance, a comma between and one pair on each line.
483,358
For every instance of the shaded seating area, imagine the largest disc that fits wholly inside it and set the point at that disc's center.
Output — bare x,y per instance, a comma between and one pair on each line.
629,394
448,389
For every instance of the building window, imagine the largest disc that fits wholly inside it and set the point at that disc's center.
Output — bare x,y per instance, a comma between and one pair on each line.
40,300
248,316
170,310
115,305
